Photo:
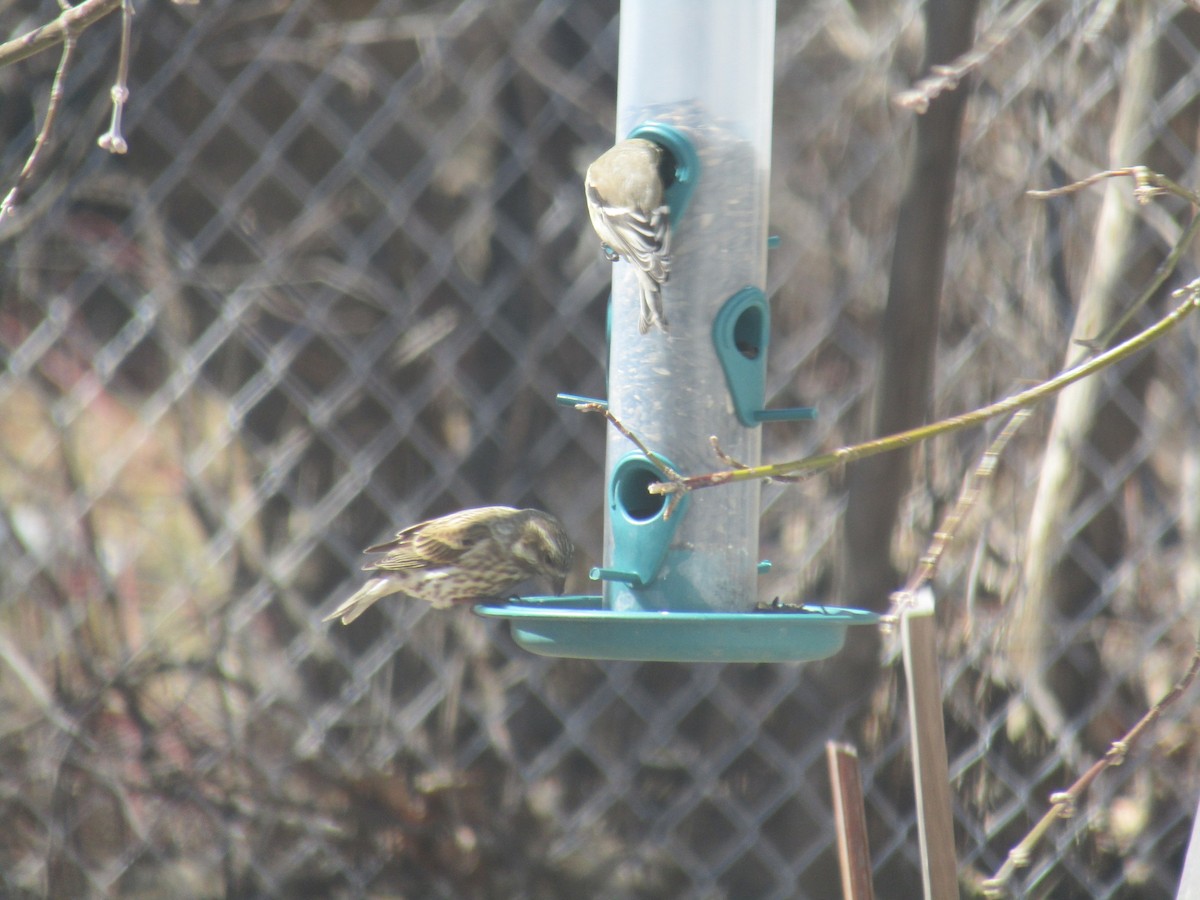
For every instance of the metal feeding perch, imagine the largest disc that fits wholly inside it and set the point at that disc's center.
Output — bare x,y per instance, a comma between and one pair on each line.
696,79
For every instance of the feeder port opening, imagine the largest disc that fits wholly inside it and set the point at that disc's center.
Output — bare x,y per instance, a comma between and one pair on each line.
631,491
748,332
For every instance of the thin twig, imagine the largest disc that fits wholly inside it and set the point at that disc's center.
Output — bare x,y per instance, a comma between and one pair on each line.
1148,186
947,77
972,488
654,458
841,456
113,140
73,20
1063,803
8,205
1161,274
64,30
738,464
670,474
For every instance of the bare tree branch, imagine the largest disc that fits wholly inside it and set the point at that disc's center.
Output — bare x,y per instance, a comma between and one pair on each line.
1063,803
969,495
72,21
8,205
65,30
811,465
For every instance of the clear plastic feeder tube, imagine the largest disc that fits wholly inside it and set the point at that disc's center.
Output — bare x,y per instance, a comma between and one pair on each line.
705,69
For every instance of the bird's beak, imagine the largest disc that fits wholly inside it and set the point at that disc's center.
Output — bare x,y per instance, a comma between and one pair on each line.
560,585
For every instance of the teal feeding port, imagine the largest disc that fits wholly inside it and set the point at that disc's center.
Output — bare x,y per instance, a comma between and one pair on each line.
741,333
695,78
642,531
682,165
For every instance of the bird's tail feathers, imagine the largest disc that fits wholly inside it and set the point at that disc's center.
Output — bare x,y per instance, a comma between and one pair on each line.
652,306
362,600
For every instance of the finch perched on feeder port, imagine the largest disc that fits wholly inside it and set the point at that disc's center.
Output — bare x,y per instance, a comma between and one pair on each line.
625,199
476,554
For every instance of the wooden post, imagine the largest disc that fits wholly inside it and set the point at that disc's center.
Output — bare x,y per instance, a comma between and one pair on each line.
850,820
931,771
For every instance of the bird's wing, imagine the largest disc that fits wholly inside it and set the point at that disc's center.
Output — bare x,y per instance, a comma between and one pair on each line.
640,234
438,542
654,253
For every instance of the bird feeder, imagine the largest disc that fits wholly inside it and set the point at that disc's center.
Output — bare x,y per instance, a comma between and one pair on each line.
695,78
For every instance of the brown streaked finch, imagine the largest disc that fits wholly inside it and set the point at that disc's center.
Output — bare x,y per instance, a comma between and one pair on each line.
468,556
624,189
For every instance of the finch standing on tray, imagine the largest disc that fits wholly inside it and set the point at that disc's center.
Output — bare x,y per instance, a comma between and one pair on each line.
476,554
625,198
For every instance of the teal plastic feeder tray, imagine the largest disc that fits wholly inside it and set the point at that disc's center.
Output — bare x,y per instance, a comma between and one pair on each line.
578,627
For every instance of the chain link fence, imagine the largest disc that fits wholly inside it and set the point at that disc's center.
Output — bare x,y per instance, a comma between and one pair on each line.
333,288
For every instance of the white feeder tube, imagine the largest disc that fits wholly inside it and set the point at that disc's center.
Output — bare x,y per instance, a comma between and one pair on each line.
704,68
